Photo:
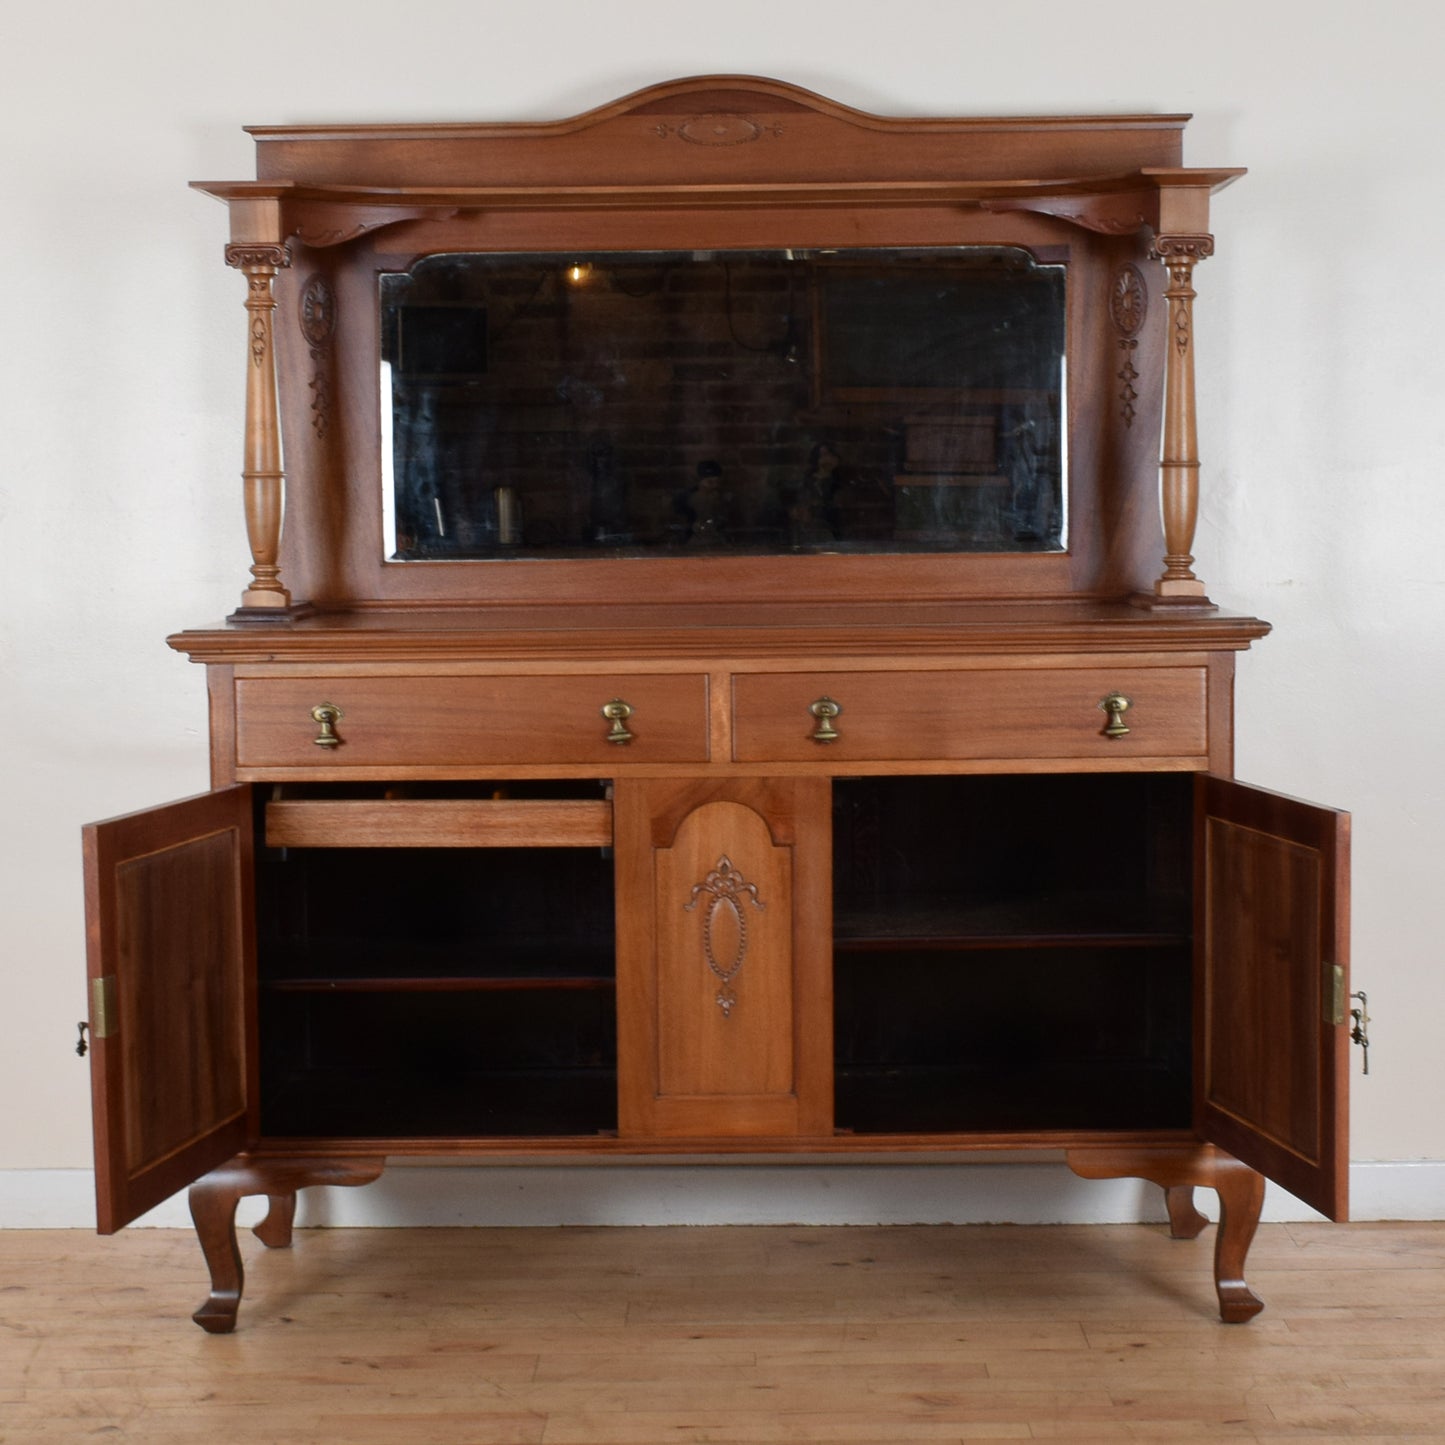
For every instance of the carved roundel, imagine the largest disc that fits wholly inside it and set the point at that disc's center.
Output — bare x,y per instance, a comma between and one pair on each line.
1128,299
318,311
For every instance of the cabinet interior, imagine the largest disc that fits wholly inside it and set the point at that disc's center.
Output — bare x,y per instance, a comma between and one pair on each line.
437,991
1010,953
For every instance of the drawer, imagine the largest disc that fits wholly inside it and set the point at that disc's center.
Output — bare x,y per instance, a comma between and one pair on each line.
469,721
1013,713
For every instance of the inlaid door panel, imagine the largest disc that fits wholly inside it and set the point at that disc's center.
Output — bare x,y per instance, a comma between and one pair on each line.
724,996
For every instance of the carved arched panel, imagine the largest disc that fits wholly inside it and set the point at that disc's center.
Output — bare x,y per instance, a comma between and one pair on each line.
724,913
724,967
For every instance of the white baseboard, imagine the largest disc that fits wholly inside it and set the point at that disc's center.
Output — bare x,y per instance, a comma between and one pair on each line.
1010,1192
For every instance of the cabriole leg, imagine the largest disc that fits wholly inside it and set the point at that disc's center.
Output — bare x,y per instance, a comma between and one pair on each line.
1185,1221
1178,1170
214,1198
275,1230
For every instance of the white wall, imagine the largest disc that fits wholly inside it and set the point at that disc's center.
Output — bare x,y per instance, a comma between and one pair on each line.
1319,326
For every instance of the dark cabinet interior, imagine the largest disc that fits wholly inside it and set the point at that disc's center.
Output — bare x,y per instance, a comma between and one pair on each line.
436,991
1012,953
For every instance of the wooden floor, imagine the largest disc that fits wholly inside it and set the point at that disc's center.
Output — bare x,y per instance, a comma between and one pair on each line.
1099,1334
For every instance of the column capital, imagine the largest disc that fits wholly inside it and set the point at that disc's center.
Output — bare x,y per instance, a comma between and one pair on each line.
1183,248
244,257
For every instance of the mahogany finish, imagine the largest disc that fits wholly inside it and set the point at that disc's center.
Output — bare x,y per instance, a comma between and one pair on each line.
819,852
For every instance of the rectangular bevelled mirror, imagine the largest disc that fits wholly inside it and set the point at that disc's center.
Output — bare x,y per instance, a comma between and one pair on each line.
723,402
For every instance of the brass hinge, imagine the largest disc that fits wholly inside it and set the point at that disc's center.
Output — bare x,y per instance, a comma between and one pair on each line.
103,1019
1334,994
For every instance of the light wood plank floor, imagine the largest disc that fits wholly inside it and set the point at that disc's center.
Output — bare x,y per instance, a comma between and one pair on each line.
635,1336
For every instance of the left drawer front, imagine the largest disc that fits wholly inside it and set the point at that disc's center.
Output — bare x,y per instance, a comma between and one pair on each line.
466,721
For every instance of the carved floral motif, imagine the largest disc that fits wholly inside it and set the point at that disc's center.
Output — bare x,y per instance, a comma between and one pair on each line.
317,307
725,888
1129,300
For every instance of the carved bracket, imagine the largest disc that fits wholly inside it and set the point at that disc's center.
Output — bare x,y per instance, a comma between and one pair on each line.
1119,213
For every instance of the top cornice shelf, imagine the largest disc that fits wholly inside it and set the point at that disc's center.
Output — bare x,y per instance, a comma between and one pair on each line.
712,143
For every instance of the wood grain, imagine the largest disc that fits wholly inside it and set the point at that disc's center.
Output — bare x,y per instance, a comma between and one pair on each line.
1021,713
171,926
863,1336
439,823
482,720
686,1068
1272,912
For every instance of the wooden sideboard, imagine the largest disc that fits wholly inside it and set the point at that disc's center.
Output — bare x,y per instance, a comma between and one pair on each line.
737,738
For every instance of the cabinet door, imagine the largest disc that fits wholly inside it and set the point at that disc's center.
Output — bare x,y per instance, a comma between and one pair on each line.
1271,1049
170,945
724,990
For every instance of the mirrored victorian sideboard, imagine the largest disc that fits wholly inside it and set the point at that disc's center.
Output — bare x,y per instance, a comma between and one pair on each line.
722,673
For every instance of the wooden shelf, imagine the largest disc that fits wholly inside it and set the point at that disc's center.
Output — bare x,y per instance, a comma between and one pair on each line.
989,942
439,823
509,984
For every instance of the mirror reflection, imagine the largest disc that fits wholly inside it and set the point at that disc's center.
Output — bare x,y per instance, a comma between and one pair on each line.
729,402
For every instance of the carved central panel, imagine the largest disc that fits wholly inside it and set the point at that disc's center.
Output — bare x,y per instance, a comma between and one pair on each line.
724,925
724,959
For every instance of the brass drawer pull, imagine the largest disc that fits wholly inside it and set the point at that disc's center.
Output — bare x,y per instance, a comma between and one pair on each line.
617,712
825,710
328,715
1115,705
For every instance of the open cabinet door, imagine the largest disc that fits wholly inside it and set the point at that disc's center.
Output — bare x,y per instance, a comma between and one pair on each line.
170,942
1272,987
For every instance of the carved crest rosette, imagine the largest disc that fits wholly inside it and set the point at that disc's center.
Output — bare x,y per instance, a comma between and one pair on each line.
724,925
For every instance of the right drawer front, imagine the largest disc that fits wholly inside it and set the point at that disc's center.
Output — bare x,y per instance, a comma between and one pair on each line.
1023,713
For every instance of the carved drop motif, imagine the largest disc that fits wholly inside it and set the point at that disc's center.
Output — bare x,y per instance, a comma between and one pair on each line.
318,324
1128,306
724,919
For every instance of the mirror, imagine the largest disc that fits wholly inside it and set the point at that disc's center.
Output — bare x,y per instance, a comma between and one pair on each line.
724,402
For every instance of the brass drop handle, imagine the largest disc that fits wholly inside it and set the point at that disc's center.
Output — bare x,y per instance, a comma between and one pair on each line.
327,714
825,710
1115,706
617,712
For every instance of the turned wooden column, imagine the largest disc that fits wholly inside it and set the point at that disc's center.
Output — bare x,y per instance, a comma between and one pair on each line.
265,598
1179,454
